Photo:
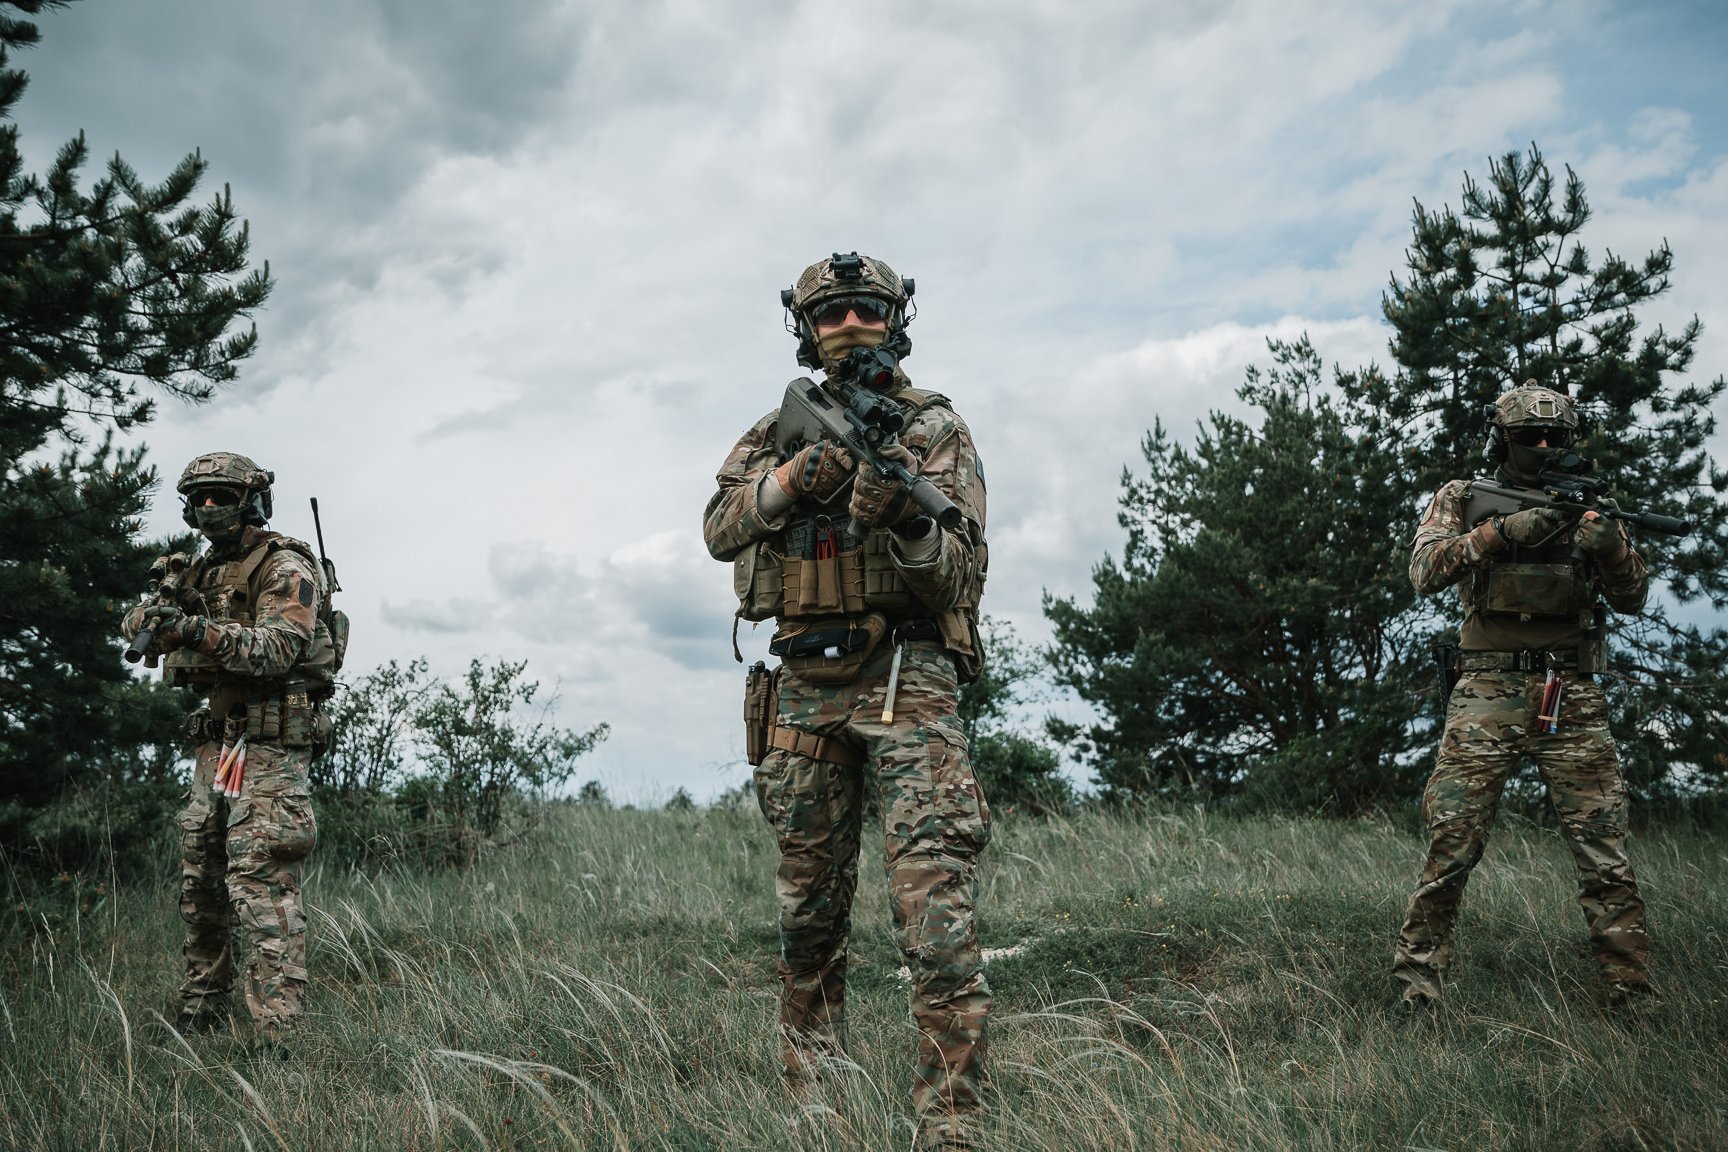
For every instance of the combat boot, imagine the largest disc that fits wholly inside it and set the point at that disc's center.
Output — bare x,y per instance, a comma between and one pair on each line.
201,1016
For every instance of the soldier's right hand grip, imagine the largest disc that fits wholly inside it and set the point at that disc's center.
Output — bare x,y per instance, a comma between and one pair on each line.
140,642
1667,525
934,501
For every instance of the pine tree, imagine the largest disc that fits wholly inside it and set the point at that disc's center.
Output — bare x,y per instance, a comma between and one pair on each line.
109,298
1249,641
1503,291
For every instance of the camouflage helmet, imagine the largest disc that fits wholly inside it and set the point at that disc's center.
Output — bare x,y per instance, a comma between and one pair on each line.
840,275
1531,406
228,470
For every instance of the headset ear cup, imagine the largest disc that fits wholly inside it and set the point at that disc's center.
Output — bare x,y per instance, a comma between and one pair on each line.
186,513
1495,450
808,356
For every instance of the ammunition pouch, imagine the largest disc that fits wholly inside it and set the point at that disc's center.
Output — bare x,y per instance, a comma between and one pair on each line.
824,586
831,651
760,701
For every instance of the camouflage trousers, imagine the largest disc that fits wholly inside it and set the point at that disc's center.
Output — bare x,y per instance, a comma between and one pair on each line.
934,825
240,862
1490,723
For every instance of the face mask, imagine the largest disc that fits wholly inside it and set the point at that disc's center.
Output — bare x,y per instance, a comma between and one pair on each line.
834,345
219,524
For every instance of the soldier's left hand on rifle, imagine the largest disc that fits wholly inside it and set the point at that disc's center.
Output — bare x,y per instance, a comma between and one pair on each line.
167,585
880,500
1599,536
172,628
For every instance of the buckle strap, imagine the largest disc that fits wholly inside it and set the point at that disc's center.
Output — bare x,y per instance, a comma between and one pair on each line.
1524,660
824,748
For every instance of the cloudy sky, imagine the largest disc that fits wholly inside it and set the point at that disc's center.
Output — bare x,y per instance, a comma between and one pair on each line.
528,259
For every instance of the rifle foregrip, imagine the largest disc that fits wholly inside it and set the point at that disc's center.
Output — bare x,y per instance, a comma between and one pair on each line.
140,643
1667,525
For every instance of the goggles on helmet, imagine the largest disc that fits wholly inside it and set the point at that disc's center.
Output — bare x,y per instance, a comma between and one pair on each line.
869,309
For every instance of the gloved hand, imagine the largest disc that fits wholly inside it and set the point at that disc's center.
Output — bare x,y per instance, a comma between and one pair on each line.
171,628
1534,525
817,470
880,500
1598,536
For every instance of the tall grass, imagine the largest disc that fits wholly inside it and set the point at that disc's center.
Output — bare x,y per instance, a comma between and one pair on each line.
1172,981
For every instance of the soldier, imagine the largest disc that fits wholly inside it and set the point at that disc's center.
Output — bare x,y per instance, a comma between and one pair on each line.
241,623
1532,585
874,602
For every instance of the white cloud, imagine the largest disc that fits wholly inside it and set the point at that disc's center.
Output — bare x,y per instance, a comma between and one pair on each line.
528,269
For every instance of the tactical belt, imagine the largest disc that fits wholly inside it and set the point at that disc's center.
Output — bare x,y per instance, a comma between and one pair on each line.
1527,660
824,748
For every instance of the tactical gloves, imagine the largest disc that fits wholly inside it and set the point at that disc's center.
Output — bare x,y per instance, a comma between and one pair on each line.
1534,525
172,629
1599,536
817,470
880,500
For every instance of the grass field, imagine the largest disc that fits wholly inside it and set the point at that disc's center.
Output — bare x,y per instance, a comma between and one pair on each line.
1178,981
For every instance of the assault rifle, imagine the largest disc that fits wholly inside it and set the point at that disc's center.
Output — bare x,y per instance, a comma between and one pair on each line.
865,422
1565,487
167,578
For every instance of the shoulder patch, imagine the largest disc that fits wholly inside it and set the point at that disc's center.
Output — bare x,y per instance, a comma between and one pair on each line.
305,592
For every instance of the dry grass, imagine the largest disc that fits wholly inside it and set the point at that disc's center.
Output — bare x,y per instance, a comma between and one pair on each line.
1179,982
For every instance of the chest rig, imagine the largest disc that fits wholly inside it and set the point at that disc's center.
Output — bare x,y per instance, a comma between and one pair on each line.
229,594
817,566
1527,583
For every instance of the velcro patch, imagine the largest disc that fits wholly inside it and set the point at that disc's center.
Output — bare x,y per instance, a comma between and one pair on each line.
305,592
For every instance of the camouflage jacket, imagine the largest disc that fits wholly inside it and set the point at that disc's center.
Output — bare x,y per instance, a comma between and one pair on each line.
1446,552
949,578
267,640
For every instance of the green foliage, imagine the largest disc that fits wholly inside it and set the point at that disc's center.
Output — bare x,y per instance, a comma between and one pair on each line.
109,297
483,743
1504,291
1020,772
433,770
1253,639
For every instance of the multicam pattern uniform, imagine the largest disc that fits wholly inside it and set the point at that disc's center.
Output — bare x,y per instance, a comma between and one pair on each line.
241,858
1490,723
935,821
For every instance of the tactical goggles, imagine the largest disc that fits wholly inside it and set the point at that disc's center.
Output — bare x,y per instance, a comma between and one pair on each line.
1531,436
869,309
220,497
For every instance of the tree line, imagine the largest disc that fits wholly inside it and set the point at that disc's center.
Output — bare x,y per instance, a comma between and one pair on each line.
1255,641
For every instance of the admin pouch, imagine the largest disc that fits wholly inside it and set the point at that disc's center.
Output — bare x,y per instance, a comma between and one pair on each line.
831,651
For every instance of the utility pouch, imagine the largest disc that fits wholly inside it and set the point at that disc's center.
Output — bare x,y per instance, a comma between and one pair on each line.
823,586
960,637
757,582
201,727
299,720
759,704
1531,590
829,652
